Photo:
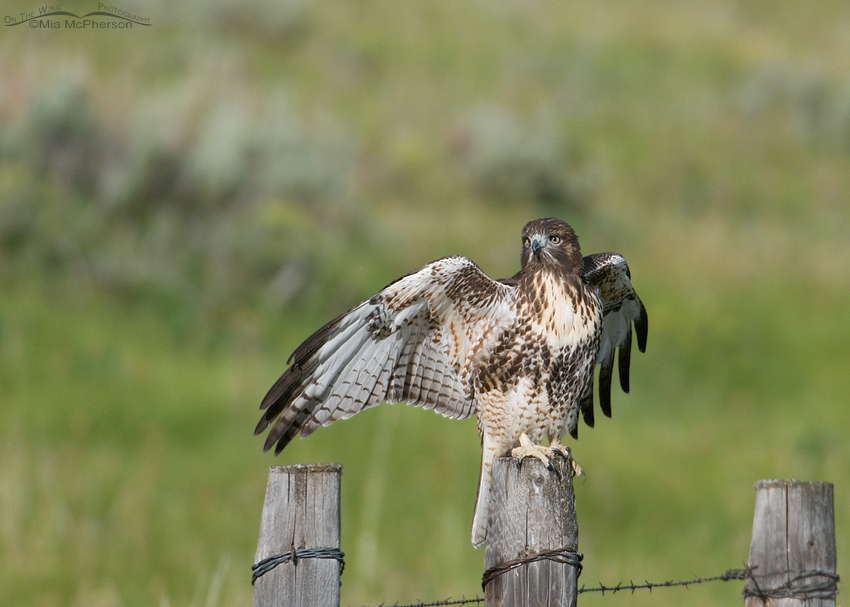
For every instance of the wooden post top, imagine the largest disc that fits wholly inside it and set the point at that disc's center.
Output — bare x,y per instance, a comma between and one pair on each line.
770,483
315,468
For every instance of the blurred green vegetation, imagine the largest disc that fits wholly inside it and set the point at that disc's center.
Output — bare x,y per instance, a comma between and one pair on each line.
180,205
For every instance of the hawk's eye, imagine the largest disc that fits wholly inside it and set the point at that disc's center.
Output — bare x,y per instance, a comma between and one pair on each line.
526,241
555,239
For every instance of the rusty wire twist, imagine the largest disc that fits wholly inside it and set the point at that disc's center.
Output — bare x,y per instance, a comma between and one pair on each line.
270,562
817,589
559,555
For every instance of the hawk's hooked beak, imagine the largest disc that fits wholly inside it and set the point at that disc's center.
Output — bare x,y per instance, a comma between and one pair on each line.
536,244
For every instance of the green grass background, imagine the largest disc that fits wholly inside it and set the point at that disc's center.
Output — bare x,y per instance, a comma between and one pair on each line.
181,205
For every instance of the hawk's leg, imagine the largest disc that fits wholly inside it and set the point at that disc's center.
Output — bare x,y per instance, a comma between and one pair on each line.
529,449
544,454
556,447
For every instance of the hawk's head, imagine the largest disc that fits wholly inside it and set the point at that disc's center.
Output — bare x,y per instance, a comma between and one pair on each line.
552,244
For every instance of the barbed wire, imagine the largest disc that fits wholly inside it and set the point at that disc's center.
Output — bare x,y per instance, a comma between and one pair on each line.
730,574
448,601
827,588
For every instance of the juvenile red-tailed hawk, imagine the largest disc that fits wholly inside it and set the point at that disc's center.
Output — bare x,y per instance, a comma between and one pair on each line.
520,352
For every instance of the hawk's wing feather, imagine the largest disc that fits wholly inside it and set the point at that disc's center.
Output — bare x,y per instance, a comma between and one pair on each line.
609,274
586,407
409,343
606,372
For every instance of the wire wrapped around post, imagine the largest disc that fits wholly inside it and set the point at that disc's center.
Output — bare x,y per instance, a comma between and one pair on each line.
568,557
801,585
270,562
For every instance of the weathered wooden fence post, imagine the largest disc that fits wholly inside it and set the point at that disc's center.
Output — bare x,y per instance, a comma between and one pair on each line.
793,547
300,517
532,536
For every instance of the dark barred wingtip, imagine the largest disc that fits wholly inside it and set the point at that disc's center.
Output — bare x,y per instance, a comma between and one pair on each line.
624,360
261,426
606,370
284,387
271,439
642,328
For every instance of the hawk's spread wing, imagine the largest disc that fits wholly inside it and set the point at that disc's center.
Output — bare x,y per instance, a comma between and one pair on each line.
409,343
609,274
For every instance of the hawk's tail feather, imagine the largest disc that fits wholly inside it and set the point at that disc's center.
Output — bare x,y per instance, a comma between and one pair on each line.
482,504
